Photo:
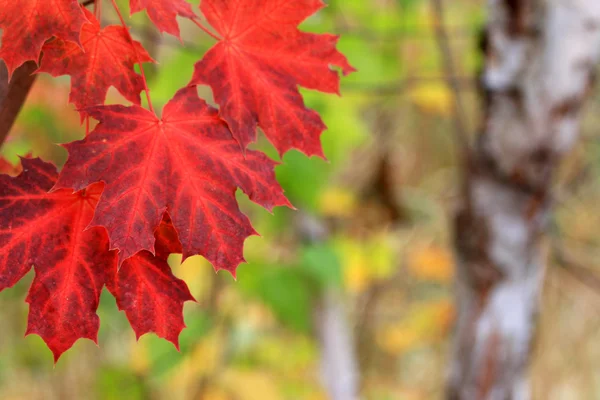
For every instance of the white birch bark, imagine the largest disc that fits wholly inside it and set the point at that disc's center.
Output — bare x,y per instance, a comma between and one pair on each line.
540,61
339,369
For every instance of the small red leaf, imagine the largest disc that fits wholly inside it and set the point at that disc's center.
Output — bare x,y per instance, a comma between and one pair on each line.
255,69
186,162
164,13
107,59
151,296
47,230
27,24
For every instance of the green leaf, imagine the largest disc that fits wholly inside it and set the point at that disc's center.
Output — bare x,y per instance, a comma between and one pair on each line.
119,383
322,263
286,291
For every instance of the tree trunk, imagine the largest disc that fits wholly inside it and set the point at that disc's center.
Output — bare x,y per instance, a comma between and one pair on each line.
339,367
540,57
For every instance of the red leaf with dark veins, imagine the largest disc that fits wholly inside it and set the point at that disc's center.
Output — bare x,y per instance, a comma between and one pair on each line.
164,13
146,289
27,24
46,230
107,59
255,69
186,162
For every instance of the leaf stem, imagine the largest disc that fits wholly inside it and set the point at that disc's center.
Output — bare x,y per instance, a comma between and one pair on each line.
98,9
205,29
137,57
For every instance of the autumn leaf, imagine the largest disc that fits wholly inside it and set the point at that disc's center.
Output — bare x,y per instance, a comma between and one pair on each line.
72,263
164,13
186,163
425,322
146,289
8,168
144,185
106,59
47,230
433,98
255,69
430,262
27,24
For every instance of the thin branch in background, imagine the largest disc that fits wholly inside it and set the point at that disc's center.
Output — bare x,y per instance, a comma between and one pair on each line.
13,94
415,32
397,88
458,110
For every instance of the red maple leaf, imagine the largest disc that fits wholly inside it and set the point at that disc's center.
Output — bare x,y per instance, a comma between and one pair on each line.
72,263
8,168
255,69
27,24
146,289
47,230
164,13
187,163
107,59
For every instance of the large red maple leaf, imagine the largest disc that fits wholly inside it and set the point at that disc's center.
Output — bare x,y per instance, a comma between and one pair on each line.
47,230
106,59
164,13
72,263
255,69
186,162
27,24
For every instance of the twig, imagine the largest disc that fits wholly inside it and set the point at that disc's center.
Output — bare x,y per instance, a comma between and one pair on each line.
13,94
397,88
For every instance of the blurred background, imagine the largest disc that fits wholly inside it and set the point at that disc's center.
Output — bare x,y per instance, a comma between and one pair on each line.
361,273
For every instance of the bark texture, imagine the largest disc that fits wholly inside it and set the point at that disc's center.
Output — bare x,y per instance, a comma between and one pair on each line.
540,57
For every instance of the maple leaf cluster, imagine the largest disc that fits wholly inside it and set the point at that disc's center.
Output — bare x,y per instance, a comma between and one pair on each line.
140,187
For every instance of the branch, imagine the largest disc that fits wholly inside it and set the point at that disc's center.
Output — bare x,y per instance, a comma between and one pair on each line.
398,88
13,94
441,35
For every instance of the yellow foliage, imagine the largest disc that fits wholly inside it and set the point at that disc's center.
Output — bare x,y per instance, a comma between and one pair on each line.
203,361
251,385
207,354
337,202
356,275
434,97
215,394
256,247
194,272
398,339
366,261
424,323
432,263
139,361
288,355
